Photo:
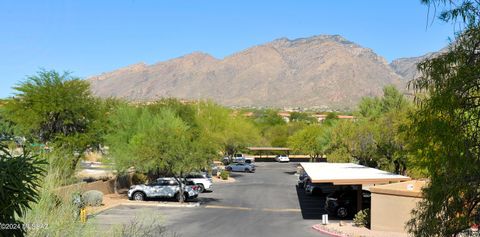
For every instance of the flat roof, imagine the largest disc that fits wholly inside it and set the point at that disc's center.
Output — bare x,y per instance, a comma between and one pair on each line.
348,174
412,188
269,148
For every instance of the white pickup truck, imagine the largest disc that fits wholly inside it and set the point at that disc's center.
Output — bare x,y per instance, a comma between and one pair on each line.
242,158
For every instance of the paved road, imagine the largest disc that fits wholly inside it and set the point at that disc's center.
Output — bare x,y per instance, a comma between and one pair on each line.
265,203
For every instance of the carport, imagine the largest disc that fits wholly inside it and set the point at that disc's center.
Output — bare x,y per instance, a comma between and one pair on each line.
261,150
349,174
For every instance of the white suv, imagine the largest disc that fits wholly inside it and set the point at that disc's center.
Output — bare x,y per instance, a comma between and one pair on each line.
201,180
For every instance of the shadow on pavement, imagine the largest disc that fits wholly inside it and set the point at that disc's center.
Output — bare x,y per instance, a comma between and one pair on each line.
236,174
208,200
312,206
164,199
290,172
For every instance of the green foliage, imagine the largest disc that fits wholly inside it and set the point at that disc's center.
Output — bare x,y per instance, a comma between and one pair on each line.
58,109
370,107
340,155
6,126
312,140
92,198
158,140
59,216
224,174
20,178
362,218
331,119
445,140
302,117
268,117
278,135
150,140
460,11
224,131
139,178
376,138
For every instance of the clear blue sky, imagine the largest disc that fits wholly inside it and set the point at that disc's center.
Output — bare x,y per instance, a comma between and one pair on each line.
90,37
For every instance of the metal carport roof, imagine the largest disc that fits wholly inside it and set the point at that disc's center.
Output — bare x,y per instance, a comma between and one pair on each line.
348,174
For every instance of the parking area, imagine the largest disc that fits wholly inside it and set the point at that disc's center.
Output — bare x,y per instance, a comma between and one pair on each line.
264,203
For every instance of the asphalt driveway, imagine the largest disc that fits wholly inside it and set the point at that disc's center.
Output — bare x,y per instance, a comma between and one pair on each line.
264,203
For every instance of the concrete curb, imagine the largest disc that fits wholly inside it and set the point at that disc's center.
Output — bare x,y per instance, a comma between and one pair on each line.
318,228
196,204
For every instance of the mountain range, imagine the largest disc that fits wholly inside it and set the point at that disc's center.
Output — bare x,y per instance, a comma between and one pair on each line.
319,72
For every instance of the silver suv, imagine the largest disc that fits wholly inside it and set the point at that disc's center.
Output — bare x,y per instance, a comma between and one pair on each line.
162,187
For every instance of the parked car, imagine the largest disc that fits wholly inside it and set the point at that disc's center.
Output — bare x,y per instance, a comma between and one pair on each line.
239,158
202,180
320,188
226,160
214,168
240,167
162,187
251,162
302,179
282,158
343,203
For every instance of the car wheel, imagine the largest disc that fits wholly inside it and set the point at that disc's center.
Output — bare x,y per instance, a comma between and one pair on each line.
245,170
201,188
342,212
138,196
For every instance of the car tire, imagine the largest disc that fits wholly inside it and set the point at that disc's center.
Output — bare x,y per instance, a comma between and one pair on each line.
201,188
342,212
138,196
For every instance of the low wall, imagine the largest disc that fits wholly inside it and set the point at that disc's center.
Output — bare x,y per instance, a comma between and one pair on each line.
106,187
391,212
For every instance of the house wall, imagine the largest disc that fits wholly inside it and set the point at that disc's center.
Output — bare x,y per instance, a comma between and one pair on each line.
391,212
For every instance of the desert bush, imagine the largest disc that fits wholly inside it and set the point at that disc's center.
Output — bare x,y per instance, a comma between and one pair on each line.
53,215
139,178
224,174
20,178
92,198
362,218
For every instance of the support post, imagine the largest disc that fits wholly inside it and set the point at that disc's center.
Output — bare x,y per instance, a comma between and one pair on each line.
359,198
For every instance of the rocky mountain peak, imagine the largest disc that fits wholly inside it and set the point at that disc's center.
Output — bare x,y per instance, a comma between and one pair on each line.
323,71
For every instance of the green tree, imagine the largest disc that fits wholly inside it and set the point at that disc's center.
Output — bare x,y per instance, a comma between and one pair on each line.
6,126
302,117
312,140
446,127
220,128
390,144
370,107
375,139
158,141
59,109
268,117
